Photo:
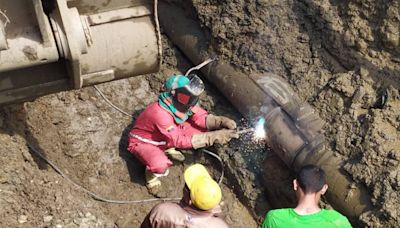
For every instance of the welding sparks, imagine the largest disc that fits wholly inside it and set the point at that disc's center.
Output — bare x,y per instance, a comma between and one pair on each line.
259,131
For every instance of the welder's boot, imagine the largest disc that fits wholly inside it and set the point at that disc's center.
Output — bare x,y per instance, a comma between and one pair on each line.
153,182
175,154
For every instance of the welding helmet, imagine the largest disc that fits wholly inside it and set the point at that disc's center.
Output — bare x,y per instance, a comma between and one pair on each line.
205,193
187,95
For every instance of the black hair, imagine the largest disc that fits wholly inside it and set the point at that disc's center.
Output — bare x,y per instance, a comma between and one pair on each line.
311,178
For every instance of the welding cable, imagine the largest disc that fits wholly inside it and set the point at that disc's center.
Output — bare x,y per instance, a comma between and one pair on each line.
110,103
220,161
93,195
5,17
198,67
157,27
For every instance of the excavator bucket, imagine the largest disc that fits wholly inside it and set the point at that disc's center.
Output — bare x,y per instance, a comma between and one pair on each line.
48,46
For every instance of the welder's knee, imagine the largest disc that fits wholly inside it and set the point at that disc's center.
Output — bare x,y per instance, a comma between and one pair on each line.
158,165
152,157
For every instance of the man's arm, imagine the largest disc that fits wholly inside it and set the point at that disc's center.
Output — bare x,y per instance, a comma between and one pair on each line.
269,221
198,118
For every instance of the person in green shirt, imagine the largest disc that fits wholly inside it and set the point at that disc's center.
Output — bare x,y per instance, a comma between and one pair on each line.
309,185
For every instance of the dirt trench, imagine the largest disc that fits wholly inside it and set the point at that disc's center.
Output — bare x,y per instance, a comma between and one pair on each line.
340,56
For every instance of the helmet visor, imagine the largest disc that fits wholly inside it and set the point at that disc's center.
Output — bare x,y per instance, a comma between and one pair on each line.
195,85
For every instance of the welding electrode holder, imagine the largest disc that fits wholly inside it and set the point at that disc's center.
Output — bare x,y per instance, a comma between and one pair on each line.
241,131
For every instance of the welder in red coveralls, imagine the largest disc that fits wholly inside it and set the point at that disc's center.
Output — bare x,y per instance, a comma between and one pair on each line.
175,121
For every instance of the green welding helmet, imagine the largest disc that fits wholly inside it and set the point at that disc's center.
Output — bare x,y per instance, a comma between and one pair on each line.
187,96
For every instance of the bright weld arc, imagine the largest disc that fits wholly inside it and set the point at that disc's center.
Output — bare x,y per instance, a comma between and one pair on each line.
259,132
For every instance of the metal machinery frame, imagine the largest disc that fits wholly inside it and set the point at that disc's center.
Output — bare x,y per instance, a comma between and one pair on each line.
78,43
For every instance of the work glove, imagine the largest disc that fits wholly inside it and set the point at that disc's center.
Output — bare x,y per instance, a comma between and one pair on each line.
210,138
219,122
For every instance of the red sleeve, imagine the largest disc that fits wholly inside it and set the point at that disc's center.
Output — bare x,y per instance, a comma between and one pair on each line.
173,137
199,117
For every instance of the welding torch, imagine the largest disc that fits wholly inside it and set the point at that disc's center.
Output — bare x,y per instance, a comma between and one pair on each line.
244,130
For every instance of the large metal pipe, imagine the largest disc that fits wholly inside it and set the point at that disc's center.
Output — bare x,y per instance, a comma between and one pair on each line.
294,130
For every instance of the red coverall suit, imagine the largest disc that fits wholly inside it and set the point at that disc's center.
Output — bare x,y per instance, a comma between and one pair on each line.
155,130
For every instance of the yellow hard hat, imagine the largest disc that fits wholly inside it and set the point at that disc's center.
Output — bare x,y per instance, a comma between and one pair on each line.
205,193
193,172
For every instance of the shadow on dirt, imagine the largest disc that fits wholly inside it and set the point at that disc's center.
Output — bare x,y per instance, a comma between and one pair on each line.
15,121
132,163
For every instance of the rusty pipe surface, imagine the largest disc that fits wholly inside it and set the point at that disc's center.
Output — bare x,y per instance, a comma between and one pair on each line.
271,97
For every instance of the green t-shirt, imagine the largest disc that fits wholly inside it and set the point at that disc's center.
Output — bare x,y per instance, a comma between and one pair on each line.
288,218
